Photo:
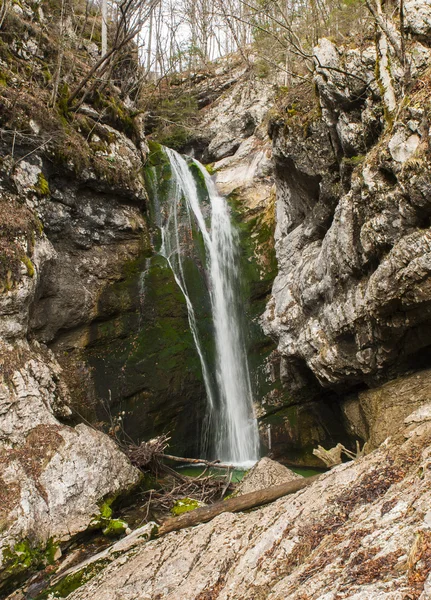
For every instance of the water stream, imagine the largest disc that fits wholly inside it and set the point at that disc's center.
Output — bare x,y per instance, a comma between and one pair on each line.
230,430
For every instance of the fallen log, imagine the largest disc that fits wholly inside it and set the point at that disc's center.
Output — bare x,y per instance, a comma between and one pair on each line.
245,502
215,464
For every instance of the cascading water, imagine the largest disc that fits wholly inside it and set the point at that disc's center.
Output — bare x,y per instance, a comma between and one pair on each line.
230,421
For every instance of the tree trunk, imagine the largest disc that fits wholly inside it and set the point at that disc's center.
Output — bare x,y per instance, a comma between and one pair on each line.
104,27
245,502
196,461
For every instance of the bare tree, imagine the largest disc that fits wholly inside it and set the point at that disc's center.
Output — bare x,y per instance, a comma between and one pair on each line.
104,27
3,11
132,14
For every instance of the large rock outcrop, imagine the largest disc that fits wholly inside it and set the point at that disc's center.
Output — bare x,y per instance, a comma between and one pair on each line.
53,477
78,238
350,304
72,205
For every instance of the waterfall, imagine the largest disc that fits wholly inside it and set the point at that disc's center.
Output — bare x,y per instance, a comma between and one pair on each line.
230,423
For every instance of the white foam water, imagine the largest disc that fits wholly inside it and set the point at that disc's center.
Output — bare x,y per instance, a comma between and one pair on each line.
231,425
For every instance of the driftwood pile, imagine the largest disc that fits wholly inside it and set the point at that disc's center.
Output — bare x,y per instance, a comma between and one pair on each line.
169,485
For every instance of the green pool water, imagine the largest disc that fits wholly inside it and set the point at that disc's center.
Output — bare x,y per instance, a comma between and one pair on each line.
306,471
195,471
238,474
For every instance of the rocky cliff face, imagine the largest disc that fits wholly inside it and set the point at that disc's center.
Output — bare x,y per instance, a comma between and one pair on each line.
71,218
92,320
350,303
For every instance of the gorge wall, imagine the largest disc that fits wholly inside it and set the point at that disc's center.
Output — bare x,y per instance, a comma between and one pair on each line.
330,189
350,304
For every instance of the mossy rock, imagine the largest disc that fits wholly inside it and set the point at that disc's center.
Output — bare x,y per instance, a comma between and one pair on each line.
24,558
30,267
185,505
72,582
115,528
42,186
143,356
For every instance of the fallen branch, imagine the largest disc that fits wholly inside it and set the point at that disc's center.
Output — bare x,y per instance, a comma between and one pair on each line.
196,461
150,457
245,502
332,457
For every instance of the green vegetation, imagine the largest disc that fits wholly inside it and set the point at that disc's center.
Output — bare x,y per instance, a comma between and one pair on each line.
354,161
172,119
116,112
24,558
30,268
42,186
185,505
104,521
72,582
210,168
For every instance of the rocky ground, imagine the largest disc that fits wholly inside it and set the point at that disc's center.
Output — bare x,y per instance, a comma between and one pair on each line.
362,531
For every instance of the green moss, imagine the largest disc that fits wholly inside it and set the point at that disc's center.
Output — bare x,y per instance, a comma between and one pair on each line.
292,110
106,510
354,161
147,359
185,505
42,186
210,168
63,102
30,268
118,114
104,521
72,582
388,116
199,177
23,559
46,73
51,551
115,528
3,78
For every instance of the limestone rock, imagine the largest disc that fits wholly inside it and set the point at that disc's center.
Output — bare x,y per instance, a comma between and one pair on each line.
263,474
376,414
234,117
350,302
418,17
53,476
420,415
402,146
